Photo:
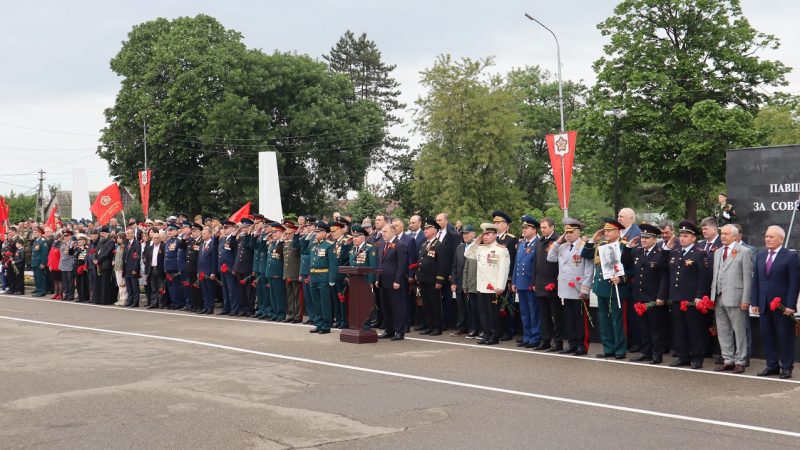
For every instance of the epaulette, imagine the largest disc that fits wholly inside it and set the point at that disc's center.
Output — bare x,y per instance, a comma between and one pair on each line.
368,245
511,235
330,241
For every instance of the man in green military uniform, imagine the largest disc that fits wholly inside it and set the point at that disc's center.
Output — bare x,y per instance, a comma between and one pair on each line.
724,211
291,273
260,257
39,252
277,287
612,293
362,254
324,270
341,247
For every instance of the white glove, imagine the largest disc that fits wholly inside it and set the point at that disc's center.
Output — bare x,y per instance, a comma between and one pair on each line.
332,284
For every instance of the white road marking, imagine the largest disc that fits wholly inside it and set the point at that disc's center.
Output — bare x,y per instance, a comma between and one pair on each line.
662,366
422,378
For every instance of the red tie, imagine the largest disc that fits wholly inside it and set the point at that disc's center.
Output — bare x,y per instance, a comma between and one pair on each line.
725,253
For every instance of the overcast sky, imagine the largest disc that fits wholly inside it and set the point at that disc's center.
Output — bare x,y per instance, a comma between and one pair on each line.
56,79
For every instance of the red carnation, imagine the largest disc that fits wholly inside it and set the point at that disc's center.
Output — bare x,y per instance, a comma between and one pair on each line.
201,276
550,287
162,291
490,287
571,284
253,283
169,278
577,278
684,305
223,268
775,304
502,312
341,297
186,283
640,308
242,282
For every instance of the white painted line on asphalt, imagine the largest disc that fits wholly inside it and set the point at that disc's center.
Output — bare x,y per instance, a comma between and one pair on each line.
421,378
663,366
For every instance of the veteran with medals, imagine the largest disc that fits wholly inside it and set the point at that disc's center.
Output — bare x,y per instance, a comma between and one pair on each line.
324,270
493,263
431,274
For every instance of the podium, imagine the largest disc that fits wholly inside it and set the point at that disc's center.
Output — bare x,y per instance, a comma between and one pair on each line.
361,302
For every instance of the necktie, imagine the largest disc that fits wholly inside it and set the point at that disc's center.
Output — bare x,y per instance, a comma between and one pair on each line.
769,261
570,246
708,244
725,253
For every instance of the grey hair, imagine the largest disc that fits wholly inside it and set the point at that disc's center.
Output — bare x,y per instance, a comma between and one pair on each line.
732,228
778,230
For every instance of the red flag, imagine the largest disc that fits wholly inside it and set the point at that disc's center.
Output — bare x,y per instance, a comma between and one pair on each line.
3,217
51,220
244,211
107,204
145,179
562,154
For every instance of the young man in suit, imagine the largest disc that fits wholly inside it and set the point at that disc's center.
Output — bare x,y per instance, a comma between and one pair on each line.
154,271
730,290
776,276
131,266
393,262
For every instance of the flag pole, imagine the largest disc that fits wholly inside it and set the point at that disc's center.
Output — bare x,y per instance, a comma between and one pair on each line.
791,223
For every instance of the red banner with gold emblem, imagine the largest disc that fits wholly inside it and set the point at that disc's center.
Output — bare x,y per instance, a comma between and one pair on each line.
107,204
562,155
145,178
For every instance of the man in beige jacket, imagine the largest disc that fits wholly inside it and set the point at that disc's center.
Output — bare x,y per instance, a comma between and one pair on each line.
493,266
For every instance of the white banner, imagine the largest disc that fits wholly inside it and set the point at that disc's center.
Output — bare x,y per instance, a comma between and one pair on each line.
269,188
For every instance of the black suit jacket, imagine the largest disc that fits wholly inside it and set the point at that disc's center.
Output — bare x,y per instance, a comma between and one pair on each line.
650,273
393,261
546,272
148,258
433,266
689,276
105,253
132,259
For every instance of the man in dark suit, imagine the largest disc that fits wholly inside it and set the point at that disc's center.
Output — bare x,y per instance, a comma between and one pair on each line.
551,311
433,270
776,278
412,251
711,241
154,271
131,267
376,240
627,217
450,239
689,280
103,261
207,269
393,262
415,229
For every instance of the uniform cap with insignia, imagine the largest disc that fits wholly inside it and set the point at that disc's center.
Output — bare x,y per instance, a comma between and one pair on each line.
687,226
171,219
322,226
289,225
612,224
227,223
467,229
311,219
650,230
529,221
430,222
172,226
246,221
182,215
486,226
500,216
258,217
186,225
80,236
277,226
197,226
357,230
70,232
366,223
571,224
104,229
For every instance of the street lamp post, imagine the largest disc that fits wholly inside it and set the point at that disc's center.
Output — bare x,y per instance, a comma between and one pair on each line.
616,114
560,101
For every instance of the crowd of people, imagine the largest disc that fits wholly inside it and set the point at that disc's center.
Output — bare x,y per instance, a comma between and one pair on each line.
659,290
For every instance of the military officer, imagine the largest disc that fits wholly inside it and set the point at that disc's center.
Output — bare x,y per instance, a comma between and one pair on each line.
191,251
243,268
291,274
274,273
261,240
173,276
324,269
226,258
502,221
342,243
362,254
302,241
611,293
688,280
39,252
724,212
432,271
650,279
574,285
522,283
493,263
184,231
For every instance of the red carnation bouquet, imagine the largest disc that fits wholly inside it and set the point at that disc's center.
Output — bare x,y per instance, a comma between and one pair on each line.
223,268
170,278
82,269
704,305
776,305
550,287
506,308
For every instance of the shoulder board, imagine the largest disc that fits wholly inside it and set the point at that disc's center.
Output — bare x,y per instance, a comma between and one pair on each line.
511,235
368,245
330,242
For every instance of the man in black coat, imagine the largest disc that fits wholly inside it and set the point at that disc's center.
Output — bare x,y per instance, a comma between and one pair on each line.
434,268
131,266
450,238
551,311
154,271
393,262
104,262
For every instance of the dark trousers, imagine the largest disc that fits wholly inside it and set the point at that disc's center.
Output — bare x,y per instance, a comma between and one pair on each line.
293,300
432,305
308,302
448,307
777,334
48,281
411,303
106,283
94,288
82,286
490,315
156,283
175,290
247,297
574,331
634,335
19,282
277,296
321,293
462,309
653,326
393,303
474,319
132,289
689,336
231,293
39,280
551,314
208,288
67,284
339,307
191,293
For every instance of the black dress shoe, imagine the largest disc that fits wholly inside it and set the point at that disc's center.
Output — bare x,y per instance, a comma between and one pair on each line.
623,356
386,335
656,361
531,346
472,334
492,342
542,346
314,330
436,332
506,338
679,363
786,373
697,365
604,355
580,351
425,331
223,313
554,348
398,337
769,371
568,350
241,314
483,341
324,331
420,328
635,349
641,358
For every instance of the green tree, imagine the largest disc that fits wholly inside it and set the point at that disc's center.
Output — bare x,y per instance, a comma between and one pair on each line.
779,123
536,92
211,105
688,75
367,203
20,207
469,121
360,59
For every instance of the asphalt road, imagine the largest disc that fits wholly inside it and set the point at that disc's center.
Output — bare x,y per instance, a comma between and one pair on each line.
85,376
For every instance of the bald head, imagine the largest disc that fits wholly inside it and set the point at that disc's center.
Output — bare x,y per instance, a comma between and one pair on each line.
626,217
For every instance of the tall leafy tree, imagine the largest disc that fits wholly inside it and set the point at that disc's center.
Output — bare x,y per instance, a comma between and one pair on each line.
359,58
688,73
211,105
469,121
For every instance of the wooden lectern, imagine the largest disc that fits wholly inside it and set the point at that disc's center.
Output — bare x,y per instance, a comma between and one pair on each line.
361,302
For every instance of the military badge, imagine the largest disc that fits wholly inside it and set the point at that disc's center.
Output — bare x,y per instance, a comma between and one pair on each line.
688,263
